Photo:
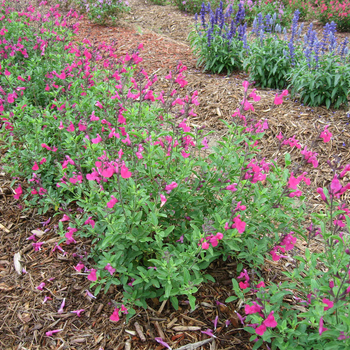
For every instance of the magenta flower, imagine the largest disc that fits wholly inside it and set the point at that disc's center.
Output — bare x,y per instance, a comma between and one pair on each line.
41,286
60,310
92,276
209,332
326,134
261,329
124,172
278,100
37,246
160,341
110,269
170,187
112,202
98,139
18,192
245,85
321,329
79,267
162,200
51,333
78,312
239,224
35,167
270,320
329,304
252,309
98,104
115,315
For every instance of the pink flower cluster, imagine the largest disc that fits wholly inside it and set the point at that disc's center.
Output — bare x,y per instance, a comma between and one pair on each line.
212,239
286,244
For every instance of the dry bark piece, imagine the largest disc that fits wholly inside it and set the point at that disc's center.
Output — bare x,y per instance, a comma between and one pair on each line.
186,328
139,331
195,345
17,263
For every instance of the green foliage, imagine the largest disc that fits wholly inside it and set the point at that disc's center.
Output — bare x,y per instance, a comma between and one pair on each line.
104,11
268,63
326,82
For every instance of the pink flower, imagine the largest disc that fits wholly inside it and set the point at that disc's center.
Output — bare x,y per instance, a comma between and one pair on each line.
110,269
37,246
124,172
255,308
162,200
280,136
261,329
65,218
161,342
35,167
78,312
115,315
320,191
98,104
326,134
328,302
98,139
261,285
90,221
239,224
278,100
41,286
248,106
79,267
209,332
270,320
321,329
170,187
231,188
245,85
92,276
112,202
18,192
51,333
205,245
60,310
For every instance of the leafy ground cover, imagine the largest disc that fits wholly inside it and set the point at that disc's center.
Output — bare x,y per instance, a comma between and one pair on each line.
25,317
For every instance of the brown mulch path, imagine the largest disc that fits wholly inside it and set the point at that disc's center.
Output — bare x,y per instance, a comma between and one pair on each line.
24,316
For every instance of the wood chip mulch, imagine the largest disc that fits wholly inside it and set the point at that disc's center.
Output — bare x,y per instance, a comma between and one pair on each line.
25,317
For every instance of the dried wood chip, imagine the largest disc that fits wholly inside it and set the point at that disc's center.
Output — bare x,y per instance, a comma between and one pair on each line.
139,331
186,328
4,228
195,345
17,263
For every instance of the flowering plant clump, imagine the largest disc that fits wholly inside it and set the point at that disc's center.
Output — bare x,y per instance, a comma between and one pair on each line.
194,6
252,9
323,76
104,11
336,11
311,307
121,164
220,41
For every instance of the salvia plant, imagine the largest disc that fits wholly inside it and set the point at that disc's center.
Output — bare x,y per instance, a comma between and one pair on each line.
220,39
315,69
104,11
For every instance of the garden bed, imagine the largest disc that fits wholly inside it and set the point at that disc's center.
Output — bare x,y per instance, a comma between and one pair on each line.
163,30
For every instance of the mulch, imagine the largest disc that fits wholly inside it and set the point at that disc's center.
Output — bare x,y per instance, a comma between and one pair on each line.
25,317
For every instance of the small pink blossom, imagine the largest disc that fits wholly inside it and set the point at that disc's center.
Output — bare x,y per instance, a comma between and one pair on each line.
79,267
162,200
41,286
115,315
51,333
329,304
78,312
321,329
92,276
110,269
